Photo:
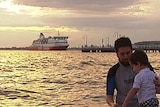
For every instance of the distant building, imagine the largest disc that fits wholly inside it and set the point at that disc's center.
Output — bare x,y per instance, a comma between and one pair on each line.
147,45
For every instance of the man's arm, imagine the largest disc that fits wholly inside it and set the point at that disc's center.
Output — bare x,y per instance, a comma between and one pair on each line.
111,84
110,87
110,100
157,90
157,83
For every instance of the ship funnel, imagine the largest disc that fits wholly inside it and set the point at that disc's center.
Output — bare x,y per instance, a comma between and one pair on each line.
41,36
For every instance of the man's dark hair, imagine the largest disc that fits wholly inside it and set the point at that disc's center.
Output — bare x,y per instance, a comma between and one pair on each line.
122,42
139,56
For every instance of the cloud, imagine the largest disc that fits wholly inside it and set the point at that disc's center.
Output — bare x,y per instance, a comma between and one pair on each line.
38,28
80,14
94,7
81,6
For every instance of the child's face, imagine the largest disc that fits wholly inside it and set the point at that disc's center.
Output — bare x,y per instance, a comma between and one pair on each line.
136,68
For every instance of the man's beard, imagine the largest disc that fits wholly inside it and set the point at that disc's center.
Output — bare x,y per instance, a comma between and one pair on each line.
126,63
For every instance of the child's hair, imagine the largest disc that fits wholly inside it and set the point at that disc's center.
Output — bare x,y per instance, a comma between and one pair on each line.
122,42
139,56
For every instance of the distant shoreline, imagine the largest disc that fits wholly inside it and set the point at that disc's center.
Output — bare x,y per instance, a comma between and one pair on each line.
26,48
14,48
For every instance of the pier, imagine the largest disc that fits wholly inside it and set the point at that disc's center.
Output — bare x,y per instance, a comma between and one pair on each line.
147,46
97,49
111,49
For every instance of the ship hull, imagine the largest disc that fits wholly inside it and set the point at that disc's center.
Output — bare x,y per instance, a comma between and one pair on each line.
48,48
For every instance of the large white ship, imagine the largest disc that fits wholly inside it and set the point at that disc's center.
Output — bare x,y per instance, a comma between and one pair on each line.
50,43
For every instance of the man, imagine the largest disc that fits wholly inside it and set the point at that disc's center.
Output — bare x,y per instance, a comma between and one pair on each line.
121,76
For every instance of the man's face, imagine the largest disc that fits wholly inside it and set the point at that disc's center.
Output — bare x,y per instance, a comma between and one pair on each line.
123,55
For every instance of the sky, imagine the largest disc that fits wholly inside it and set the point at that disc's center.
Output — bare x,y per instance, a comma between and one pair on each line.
95,22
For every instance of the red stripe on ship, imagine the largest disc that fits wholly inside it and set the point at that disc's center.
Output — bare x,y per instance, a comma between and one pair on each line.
58,48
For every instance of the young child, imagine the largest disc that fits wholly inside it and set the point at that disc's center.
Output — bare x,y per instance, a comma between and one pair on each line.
143,85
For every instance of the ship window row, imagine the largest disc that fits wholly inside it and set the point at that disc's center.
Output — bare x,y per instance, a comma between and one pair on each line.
57,42
51,42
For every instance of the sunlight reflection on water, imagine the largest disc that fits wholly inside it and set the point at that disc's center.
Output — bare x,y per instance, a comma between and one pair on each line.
56,78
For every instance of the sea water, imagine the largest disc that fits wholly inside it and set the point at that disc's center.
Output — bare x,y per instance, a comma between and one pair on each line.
56,78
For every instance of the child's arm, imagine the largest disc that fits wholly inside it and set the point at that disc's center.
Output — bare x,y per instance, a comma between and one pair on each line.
130,95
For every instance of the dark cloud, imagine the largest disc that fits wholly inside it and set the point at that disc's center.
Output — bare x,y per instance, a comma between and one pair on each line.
89,10
80,5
